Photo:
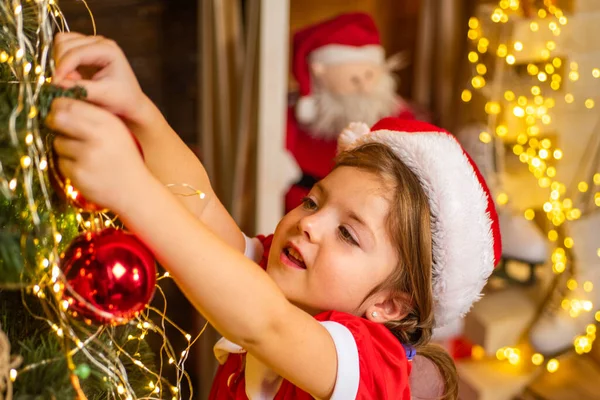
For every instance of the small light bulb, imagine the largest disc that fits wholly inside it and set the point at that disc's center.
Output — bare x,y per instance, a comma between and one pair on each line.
557,154
588,286
32,112
529,214
466,95
25,161
574,75
473,23
519,112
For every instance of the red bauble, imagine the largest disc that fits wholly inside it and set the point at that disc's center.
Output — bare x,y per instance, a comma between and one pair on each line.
111,271
68,192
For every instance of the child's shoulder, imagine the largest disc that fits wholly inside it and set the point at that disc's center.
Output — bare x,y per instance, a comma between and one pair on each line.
371,360
364,331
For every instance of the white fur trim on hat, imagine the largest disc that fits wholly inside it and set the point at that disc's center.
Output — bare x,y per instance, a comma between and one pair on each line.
306,109
463,244
350,134
339,53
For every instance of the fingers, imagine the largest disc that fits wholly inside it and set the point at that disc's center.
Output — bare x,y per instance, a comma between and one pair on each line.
66,147
64,41
76,119
67,44
67,167
77,52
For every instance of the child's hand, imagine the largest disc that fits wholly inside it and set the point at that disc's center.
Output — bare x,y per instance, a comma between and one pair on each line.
97,153
99,65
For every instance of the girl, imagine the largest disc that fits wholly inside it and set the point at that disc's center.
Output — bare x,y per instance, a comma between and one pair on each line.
400,238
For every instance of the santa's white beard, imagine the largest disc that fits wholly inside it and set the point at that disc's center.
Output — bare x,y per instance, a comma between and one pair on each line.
335,112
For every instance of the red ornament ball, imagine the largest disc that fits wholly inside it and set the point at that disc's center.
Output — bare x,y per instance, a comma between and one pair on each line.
111,276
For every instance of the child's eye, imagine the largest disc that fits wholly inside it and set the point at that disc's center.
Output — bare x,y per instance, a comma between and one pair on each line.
309,204
347,236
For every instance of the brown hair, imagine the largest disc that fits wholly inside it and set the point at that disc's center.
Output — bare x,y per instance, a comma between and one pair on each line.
409,226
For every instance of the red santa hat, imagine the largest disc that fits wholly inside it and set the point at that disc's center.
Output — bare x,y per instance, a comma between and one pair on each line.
464,223
346,38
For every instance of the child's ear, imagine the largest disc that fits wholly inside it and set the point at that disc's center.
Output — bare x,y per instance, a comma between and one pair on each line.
386,307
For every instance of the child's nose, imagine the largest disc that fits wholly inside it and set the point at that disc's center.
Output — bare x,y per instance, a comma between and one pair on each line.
309,227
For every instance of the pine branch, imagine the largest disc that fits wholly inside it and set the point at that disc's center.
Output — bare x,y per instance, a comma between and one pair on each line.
17,234
8,37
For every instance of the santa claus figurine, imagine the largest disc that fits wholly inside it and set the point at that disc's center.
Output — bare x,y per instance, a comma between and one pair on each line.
343,77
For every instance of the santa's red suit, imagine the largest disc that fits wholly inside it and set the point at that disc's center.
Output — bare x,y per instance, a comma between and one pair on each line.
348,38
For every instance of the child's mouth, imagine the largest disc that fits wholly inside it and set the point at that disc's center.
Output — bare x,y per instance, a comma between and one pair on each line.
293,258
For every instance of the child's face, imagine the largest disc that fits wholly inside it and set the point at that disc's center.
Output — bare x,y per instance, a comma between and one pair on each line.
331,251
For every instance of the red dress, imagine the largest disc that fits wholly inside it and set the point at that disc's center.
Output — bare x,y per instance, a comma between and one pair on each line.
372,363
314,157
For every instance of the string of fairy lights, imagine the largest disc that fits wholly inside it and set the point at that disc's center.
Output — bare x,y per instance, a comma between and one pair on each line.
533,106
30,74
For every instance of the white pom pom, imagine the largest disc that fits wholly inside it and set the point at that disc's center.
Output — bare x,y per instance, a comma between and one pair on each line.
350,134
306,110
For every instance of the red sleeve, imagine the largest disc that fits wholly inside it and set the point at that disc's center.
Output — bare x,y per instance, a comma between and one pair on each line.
266,243
372,363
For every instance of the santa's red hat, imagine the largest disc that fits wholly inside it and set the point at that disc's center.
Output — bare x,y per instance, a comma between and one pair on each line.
464,223
345,38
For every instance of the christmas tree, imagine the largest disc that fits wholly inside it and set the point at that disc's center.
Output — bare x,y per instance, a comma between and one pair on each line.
74,287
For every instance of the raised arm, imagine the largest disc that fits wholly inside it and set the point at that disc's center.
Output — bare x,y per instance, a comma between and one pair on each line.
99,65
238,298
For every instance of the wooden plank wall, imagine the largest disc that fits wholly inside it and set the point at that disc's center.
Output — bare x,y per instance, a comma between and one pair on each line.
159,39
